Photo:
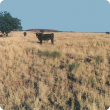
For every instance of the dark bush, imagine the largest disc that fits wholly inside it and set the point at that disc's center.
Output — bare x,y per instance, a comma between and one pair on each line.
8,23
73,66
87,60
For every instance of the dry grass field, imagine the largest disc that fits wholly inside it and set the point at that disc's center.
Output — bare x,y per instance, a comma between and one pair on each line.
72,74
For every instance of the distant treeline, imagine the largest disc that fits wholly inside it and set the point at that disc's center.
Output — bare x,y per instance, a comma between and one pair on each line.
47,30
51,30
43,30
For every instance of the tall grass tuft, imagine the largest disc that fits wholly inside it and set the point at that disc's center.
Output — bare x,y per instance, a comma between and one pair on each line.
92,81
45,53
53,54
73,66
99,59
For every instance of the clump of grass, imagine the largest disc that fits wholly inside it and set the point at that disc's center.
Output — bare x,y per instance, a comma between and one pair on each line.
92,81
46,53
53,54
99,59
73,66
3,43
71,77
98,44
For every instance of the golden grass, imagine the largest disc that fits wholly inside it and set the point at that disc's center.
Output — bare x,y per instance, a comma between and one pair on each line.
79,79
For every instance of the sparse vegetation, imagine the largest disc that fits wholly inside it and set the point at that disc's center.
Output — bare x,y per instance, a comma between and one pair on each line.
73,66
99,59
91,81
59,77
46,53
53,54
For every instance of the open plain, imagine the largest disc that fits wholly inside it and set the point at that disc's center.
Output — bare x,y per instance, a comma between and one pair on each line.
72,74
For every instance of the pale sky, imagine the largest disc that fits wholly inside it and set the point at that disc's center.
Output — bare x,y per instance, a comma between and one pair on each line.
62,15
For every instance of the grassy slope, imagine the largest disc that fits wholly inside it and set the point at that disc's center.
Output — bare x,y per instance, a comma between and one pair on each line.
79,79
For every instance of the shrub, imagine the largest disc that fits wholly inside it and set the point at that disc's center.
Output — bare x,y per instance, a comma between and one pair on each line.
87,60
98,44
69,102
55,54
73,66
46,53
108,82
71,77
99,59
91,80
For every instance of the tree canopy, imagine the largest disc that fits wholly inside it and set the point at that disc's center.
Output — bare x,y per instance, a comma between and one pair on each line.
8,23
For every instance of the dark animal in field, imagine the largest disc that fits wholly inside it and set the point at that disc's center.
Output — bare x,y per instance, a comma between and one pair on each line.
25,33
107,32
42,36
1,35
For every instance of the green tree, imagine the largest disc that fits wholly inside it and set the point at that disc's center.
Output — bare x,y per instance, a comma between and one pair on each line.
8,23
